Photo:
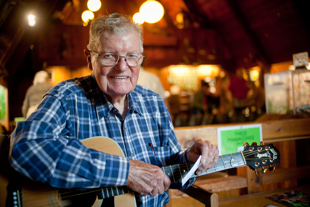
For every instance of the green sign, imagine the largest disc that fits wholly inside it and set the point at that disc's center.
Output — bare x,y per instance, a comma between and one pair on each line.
231,139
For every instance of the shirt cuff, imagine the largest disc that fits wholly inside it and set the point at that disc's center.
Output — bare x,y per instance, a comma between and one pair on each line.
116,171
184,156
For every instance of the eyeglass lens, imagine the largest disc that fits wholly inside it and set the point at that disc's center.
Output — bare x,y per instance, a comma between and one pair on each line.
110,59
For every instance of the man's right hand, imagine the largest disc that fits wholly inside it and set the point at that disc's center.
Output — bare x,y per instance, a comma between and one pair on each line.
147,179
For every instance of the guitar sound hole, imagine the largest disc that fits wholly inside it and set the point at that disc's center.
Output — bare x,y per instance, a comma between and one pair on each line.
77,198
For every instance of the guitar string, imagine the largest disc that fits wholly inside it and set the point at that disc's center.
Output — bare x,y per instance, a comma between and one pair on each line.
125,189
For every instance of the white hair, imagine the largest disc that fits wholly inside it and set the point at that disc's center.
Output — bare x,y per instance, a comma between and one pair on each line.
112,24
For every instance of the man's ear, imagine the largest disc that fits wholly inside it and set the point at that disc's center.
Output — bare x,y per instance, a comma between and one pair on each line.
88,59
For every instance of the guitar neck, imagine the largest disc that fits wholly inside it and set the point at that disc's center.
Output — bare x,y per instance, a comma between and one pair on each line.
178,171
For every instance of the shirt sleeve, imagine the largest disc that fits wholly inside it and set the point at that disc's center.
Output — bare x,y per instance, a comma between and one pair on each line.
179,157
44,150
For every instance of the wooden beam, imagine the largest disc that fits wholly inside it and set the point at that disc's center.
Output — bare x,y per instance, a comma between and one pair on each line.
249,33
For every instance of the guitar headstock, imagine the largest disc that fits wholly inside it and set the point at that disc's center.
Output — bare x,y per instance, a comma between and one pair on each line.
259,156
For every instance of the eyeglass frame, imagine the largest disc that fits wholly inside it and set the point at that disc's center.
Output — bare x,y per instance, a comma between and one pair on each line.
119,57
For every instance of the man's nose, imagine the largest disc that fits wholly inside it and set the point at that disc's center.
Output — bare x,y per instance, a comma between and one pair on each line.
122,63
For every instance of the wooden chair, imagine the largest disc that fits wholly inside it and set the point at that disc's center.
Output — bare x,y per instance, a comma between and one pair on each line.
208,198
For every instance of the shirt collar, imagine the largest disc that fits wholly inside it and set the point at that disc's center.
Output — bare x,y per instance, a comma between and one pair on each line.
104,105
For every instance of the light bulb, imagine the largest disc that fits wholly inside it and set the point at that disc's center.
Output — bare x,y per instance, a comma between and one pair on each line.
31,20
152,11
94,5
138,18
87,15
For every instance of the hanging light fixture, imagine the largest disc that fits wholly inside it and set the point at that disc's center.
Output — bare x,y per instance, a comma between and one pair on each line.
152,11
94,5
31,20
138,18
86,16
180,20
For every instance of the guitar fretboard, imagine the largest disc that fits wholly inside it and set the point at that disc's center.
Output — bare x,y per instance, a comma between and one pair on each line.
178,171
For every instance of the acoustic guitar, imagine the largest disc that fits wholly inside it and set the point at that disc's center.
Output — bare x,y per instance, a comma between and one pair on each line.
37,195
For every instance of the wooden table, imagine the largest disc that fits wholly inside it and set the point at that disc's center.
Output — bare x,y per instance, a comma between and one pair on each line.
259,199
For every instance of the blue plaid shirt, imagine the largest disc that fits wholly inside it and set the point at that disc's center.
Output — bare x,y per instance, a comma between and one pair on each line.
46,146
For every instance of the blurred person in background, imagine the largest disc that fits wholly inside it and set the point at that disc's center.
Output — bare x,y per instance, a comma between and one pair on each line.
205,105
239,91
255,100
35,93
152,81
226,107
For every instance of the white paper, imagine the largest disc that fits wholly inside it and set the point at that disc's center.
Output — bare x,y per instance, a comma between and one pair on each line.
192,171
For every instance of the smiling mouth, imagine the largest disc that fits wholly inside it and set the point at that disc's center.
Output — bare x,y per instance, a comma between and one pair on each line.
120,77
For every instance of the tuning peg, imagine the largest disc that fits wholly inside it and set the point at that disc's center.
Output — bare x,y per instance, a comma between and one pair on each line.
263,170
271,168
245,145
261,143
256,173
254,144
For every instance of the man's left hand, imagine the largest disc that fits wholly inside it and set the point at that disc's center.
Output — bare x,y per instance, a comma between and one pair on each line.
209,155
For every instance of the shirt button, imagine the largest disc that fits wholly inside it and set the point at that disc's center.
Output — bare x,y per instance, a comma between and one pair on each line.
125,129
108,116
114,110
131,155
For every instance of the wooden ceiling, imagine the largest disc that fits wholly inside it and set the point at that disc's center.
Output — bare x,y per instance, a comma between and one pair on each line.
239,33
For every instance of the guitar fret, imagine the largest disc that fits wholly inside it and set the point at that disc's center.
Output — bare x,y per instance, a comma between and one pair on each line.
112,191
108,193
187,167
172,173
180,171
222,161
175,174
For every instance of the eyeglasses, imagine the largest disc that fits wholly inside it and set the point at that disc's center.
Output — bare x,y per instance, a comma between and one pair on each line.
111,59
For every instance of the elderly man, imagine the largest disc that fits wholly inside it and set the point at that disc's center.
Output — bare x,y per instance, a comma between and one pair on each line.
48,146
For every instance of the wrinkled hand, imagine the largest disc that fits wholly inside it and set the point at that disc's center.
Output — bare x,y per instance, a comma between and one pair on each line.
147,179
209,155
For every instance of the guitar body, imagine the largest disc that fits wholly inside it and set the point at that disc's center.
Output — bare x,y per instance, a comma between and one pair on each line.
109,146
37,195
